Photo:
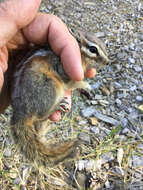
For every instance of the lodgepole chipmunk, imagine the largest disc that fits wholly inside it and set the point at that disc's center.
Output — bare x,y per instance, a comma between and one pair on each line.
36,90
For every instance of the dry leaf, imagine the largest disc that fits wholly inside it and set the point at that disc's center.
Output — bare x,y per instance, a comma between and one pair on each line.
140,108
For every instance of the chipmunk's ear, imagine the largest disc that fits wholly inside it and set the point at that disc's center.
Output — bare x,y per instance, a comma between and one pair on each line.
78,36
81,38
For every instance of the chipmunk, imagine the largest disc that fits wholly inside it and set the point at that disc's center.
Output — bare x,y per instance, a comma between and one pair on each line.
36,90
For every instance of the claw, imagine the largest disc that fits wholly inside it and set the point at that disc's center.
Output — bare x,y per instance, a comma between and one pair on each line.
63,106
88,94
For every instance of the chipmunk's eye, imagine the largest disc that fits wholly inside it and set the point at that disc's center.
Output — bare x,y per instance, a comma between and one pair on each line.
93,49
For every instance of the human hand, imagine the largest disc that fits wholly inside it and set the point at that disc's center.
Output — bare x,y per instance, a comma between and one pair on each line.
21,24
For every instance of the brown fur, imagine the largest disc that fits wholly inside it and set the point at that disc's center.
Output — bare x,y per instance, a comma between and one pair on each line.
36,89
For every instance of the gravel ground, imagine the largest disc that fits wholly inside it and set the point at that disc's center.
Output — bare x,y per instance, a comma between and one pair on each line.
118,88
112,121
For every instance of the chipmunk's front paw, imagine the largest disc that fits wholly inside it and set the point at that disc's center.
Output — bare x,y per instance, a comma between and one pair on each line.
88,94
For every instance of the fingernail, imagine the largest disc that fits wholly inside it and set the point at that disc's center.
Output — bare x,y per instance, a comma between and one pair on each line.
90,73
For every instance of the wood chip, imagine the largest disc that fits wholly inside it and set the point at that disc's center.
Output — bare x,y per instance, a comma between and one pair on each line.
93,121
105,91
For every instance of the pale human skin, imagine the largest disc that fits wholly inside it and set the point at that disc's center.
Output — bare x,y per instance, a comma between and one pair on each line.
21,23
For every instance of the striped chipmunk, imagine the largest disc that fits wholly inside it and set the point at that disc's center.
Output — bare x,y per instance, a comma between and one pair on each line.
36,90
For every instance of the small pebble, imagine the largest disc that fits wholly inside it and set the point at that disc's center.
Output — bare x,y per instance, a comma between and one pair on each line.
139,98
137,68
23,188
106,157
106,118
121,95
119,67
131,60
118,171
87,112
96,85
17,181
103,102
138,175
93,102
140,6
122,138
100,34
130,110
107,184
98,97
107,131
141,37
95,130
132,46
118,101
84,137
121,55
125,130
140,146
1,138
136,161
25,173
124,122
82,122
117,85
7,152
133,88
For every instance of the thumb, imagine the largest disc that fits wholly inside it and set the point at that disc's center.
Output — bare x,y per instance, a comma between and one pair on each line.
14,15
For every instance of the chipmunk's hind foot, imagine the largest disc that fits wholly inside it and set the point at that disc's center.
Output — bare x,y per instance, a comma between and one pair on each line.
63,105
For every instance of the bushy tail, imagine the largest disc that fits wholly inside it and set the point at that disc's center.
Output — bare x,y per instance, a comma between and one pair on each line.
31,144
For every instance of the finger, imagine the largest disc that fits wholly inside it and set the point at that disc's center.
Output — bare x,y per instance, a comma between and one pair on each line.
14,15
90,73
61,41
56,116
1,78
